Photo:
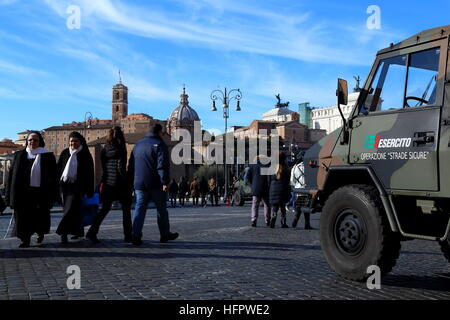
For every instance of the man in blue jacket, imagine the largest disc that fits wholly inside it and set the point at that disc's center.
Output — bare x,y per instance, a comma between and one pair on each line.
149,168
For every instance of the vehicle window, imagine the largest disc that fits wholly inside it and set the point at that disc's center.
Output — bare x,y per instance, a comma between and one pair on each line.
388,85
422,78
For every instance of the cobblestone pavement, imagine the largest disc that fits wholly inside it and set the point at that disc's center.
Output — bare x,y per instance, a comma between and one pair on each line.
218,256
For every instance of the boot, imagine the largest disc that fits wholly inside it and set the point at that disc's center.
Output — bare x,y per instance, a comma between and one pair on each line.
40,238
273,219
295,222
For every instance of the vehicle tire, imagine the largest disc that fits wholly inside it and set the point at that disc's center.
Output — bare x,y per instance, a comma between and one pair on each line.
445,248
238,199
355,233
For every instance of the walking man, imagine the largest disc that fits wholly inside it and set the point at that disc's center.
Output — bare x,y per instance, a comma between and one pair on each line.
149,166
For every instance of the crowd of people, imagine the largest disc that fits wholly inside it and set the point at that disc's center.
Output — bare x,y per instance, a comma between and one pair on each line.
37,181
275,191
198,191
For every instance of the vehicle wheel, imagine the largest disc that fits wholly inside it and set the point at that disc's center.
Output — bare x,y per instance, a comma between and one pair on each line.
355,233
445,248
238,199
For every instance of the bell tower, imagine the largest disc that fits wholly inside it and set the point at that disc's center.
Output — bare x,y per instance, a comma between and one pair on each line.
119,101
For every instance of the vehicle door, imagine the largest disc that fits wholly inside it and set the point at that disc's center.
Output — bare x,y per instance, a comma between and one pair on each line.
396,128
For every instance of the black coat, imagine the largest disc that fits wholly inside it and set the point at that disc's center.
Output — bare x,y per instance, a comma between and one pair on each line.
114,166
259,183
2,204
19,180
85,170
280,189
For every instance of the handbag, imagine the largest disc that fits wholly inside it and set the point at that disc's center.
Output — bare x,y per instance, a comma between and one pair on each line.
89,209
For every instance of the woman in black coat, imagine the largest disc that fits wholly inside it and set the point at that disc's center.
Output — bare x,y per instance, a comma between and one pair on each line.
32,189
76,175
279,192
116,184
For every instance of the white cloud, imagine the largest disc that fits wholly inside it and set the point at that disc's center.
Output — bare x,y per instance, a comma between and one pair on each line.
229,26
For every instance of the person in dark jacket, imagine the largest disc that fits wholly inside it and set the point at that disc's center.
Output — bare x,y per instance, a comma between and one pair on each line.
280,189
76,175
204,191
173,192
115,184
183,188
32,189
149,165
260,191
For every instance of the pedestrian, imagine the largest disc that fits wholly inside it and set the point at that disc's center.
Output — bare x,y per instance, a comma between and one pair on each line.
204,191
173,192
260,190
213,192
115,184
279,190
195,191
32,189
233,189
298,182
183,188
149,167
76,175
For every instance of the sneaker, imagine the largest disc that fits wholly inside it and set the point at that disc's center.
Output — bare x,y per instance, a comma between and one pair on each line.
136,242
24,245
284,226
171,236
254,224
93,238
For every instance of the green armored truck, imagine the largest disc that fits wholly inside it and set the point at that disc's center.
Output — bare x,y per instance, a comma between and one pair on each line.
384,177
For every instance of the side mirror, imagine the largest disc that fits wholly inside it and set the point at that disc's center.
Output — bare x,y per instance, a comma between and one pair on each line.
342,92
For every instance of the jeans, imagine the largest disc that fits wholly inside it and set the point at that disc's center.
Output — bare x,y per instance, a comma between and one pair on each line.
143,197
255,207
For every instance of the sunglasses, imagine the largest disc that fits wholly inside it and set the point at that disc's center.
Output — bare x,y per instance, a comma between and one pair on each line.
30,140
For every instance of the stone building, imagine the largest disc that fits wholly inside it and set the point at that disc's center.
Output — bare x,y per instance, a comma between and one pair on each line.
329,118
57,137
9,147
183,117
136,127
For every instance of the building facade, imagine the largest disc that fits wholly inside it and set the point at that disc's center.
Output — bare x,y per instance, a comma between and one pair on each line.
329,118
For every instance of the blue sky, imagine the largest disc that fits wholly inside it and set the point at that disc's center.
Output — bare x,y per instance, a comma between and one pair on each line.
50,74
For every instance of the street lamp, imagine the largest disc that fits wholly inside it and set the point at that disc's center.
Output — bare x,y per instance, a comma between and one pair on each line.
226,97
88,117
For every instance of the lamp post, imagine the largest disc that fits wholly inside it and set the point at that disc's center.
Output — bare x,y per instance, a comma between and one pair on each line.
87,117
226,97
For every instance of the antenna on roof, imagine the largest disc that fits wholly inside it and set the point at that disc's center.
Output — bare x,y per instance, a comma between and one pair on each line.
120,78
184,88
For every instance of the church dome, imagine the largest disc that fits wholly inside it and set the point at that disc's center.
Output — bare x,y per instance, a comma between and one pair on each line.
184,112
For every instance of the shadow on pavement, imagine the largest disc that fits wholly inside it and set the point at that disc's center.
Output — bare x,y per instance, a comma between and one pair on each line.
115,248
439,282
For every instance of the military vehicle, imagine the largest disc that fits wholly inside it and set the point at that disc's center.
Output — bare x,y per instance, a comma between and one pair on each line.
384,177
242,189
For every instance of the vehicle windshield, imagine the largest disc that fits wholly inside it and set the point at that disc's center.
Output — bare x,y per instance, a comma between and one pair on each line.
405,81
